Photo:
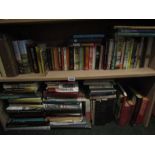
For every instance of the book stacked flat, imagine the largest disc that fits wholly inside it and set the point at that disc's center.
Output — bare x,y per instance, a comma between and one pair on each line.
64,107
103,98
131,106
25,107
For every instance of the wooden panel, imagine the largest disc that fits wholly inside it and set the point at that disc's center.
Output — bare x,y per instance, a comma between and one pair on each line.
81,75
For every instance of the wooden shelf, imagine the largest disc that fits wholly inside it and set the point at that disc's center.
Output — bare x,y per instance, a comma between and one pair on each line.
81,75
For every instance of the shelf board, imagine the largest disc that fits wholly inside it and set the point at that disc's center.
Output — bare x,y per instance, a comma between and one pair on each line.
81,75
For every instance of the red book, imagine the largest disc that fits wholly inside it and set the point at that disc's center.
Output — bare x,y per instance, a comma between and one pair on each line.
86,58
143,108
126,113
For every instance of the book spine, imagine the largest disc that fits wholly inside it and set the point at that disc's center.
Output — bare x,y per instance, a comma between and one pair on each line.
2,70
59,50
56,58
142,110
101,60
49,60
24,56
125,63
140,53
81,58
76,58
8,58
130,53
136,111
90,58
17,55
119,52
114,55
71,56
86,58
110,52
94,57
38,58
98,51
65,58
148,51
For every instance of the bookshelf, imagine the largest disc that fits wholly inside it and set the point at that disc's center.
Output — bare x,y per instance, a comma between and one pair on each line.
58,30
81,75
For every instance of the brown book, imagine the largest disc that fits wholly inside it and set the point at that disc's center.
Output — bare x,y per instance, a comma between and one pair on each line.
8,57
56,58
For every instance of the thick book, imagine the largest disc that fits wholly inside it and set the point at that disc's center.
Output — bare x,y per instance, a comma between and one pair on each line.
71,58
2,69
142,111
126,113
137,99
103,111
8,58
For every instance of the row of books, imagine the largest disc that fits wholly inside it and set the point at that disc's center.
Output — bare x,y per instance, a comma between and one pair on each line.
112,101
81,52
52,110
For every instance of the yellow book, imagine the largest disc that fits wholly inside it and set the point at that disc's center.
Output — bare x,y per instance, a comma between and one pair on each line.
130,53
2,70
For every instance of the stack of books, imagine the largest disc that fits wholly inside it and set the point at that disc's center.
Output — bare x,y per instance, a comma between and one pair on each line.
64,106
131,106
25,108
103,99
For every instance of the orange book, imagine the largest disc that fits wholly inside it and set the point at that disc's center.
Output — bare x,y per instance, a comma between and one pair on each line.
86,66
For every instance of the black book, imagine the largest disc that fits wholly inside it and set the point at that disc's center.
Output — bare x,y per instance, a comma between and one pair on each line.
103,111
49,59
71,59
33,58
142,60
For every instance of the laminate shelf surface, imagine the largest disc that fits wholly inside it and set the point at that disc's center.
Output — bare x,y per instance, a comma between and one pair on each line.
81,75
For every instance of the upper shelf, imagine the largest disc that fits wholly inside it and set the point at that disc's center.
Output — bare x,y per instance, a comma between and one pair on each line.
81,75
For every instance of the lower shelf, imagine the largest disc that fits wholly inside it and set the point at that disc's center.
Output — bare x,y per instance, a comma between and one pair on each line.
81,75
